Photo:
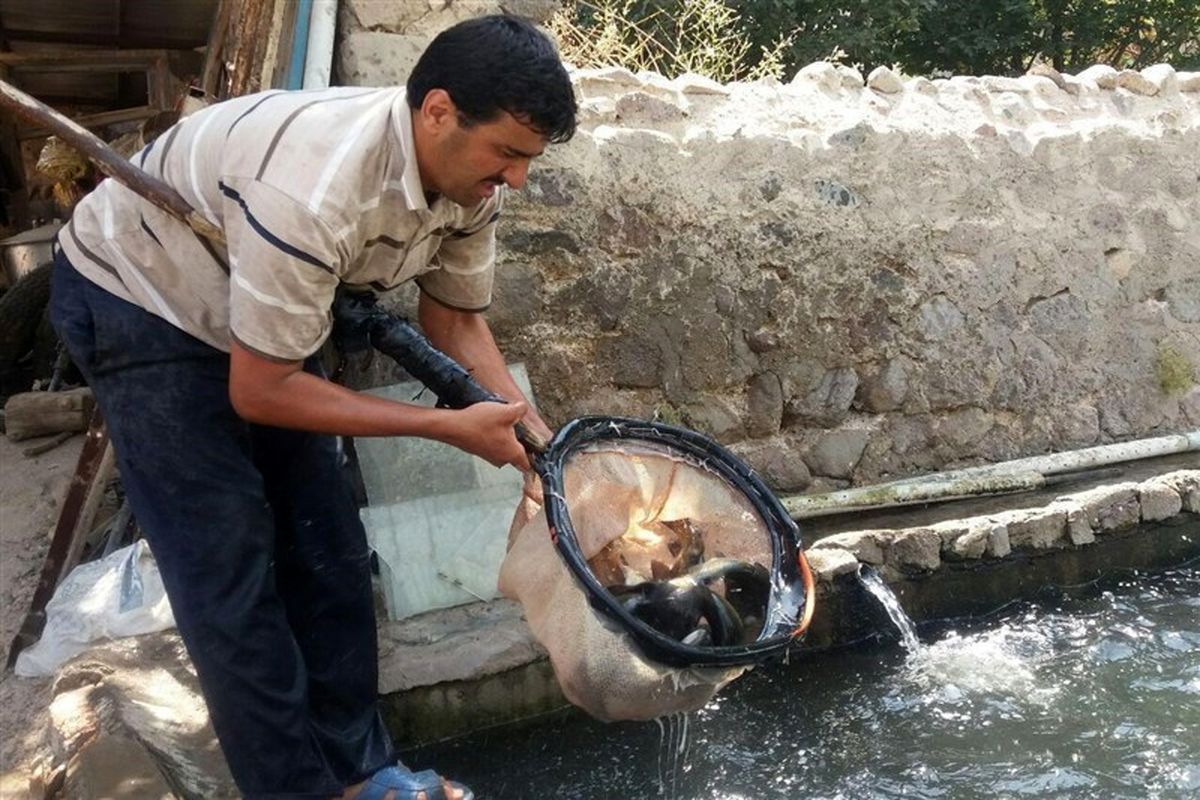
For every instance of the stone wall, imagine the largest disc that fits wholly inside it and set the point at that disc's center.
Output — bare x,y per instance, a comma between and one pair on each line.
848,279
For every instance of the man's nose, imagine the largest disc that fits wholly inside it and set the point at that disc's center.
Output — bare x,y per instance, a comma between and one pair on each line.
515,174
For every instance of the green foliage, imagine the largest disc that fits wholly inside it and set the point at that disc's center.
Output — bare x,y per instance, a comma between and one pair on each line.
997,37
1174,371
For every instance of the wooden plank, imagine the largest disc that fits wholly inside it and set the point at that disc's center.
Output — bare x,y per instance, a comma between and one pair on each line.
95,467
95,120
72,60
214,53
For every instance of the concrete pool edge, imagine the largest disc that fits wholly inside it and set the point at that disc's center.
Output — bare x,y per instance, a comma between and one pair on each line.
954,568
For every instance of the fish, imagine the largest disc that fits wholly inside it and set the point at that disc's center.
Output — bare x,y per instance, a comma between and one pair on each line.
687,609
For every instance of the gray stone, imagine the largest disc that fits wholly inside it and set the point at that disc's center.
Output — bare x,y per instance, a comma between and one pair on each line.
516,298
536,10
1136,82
716,417
1187,483
777,462
1079,527
884,80
1079,424
886,389
940,318
1036,529
1110,508
1102,75
1183,299
765,400
1159,500
997,540
641,108
830,562
378,59
963,428
836,453
372,15
867,546
915,550
829,400
1189,404
1188,81
636,360
972,543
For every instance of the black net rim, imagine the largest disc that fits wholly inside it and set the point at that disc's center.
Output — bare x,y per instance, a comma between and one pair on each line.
787,598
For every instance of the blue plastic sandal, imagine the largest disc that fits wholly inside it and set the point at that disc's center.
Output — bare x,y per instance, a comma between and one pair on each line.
408,785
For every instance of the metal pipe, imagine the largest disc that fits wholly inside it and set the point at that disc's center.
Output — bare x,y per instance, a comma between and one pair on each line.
295,75
319,58
1009,476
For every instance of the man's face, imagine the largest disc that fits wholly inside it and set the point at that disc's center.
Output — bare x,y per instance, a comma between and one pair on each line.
467,162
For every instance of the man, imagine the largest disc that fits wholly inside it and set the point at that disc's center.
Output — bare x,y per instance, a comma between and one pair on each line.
202,361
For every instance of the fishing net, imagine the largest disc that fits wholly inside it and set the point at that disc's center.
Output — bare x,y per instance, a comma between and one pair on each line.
656,568
657,572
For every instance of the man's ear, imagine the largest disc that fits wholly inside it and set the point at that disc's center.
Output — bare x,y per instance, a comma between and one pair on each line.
438,111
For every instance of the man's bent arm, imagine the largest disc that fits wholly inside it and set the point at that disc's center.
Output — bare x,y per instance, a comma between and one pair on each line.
282,394
466,337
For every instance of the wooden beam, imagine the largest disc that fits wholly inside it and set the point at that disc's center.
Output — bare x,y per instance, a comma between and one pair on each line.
96,120
100,38
73,60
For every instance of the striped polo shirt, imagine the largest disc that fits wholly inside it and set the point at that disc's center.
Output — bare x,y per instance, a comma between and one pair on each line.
311,188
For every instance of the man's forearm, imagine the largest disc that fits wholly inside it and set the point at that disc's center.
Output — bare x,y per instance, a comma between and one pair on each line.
467,339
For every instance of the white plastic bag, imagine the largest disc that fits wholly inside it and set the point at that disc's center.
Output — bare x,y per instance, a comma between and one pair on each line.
119,595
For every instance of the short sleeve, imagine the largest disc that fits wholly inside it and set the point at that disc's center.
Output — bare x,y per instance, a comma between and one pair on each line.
283,264
465,262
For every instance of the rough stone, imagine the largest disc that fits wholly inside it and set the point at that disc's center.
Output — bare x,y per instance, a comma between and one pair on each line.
1189,405
940,318
1163,77
1136,82
867,546
883,79
820,73
886,389
1159,500
1078,526
1187,483
972,543
826,402
961,429
777,461
717,417
378,59
640,107
998,545
1035,529
1078,425
1102,75
830,562
836,453
765,401
1110,508
915,550
1189,81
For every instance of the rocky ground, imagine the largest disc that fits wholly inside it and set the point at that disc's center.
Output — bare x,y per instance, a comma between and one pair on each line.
30,492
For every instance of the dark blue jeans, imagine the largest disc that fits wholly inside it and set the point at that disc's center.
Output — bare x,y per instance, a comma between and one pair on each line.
259,543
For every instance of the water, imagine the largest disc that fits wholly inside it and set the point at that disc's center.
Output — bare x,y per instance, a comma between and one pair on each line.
1095,694
891,604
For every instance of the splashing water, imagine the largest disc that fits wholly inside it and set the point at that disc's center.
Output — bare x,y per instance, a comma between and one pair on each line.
891,604
672,752
1092,694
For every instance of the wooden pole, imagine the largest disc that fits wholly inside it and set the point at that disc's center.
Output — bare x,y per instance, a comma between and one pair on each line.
111,164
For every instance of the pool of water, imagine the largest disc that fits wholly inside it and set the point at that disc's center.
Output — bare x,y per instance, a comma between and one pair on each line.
1092,693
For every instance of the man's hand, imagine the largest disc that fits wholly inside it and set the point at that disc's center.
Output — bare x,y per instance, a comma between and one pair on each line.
486,430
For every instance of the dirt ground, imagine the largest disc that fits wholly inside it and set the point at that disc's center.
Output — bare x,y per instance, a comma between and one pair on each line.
31,490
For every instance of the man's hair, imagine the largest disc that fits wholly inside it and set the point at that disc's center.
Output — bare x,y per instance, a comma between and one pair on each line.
498,63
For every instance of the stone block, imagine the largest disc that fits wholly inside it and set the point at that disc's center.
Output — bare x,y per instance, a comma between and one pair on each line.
1036,529
1187,483
867,546
1102,75
1163,77
1188,81
884,80
1078,527
777,462
829,562
821,74
378,59
1159,500
837,453
914,550
643,108
717,417
997,540
765,401
1135,82
1110,508
886,389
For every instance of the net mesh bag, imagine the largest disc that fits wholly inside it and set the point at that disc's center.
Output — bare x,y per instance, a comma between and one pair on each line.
672,542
